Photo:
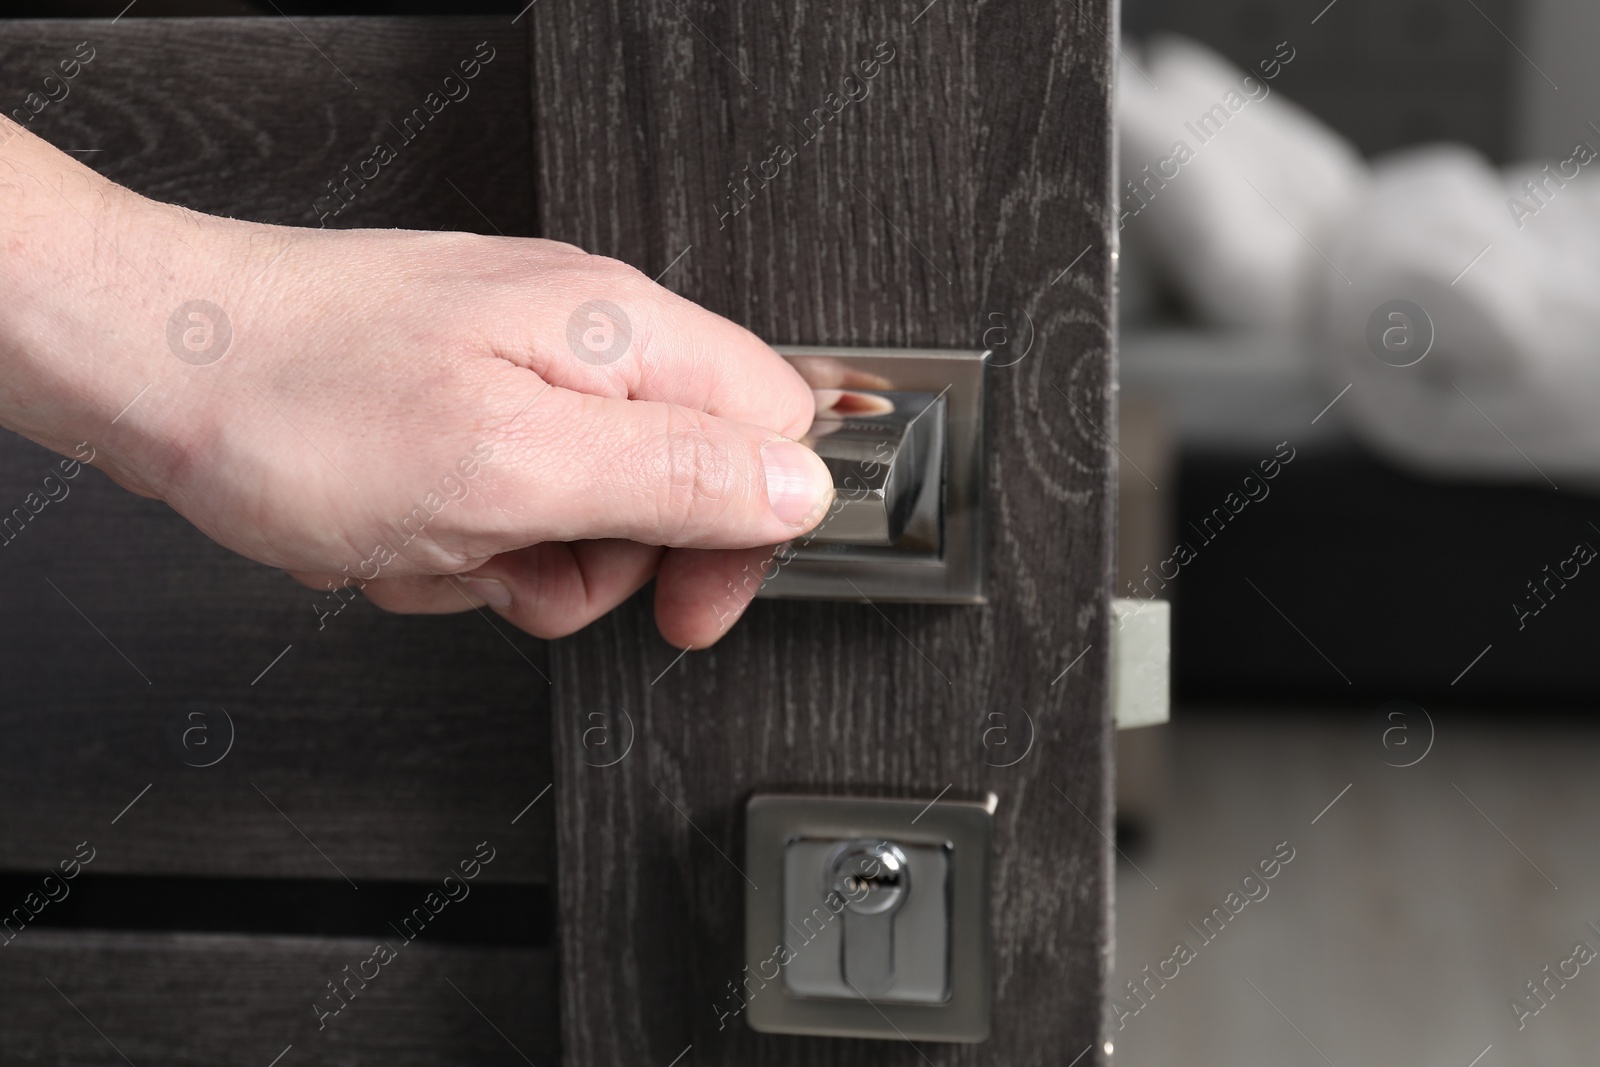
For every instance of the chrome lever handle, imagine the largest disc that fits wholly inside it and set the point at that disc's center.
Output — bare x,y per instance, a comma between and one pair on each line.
902,432
882,450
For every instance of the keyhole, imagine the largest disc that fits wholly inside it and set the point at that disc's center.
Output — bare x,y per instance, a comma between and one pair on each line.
871,876
863,885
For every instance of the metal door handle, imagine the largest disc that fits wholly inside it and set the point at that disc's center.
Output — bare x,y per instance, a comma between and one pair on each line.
902,432
884,449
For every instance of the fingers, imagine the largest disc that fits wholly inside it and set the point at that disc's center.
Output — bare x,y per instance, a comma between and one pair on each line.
701,594
421,594
548,590
425,594
584,467
609,330
554,589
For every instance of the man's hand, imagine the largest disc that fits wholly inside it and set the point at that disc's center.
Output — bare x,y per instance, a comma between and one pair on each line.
444,420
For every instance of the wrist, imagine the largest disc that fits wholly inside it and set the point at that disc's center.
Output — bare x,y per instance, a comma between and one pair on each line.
93,275
60,270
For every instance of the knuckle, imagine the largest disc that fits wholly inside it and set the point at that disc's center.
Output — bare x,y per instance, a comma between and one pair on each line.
615,272
697,482
639,307
566,247
559,606
390,597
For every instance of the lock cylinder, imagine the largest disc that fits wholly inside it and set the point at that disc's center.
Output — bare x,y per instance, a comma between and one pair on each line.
874,879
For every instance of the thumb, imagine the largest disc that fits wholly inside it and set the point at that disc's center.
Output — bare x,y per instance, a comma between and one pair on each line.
662,474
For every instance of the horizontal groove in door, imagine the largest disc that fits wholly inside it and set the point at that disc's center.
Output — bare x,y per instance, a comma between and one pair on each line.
82,998
460,912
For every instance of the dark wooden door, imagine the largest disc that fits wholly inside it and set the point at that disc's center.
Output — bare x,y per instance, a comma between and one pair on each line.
957,197
946,195
370,754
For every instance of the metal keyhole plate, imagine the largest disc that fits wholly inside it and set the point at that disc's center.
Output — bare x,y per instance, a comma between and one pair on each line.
903,881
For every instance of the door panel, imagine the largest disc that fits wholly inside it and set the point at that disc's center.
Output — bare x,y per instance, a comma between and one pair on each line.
385,738
353,745
177,999
963,188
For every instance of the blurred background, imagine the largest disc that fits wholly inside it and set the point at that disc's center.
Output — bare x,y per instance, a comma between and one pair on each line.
1372,529
1364,540
1362,669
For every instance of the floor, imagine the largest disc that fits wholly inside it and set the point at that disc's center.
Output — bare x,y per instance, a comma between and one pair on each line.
1418,900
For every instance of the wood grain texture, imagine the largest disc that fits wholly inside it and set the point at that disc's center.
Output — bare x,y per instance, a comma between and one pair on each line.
393,744
974,171
377,746
254,117
189,1001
